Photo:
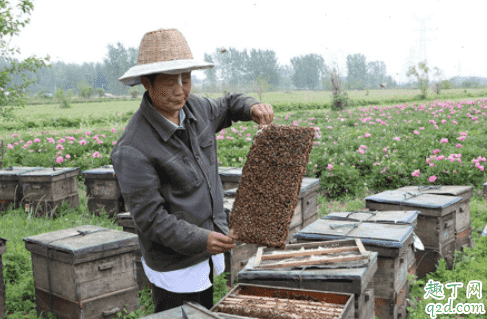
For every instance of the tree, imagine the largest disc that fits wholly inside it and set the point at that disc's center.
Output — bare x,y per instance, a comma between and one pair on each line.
422,77
438,80
357,71
13,94
308,71
262,85
86,90
263,64
376,74
231,67
117,62
210,74
340,98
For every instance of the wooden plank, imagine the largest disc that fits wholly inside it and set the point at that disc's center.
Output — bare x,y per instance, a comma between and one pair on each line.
311,253
360,246
258,256
323,260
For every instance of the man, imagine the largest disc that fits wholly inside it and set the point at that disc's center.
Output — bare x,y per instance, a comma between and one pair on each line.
166,166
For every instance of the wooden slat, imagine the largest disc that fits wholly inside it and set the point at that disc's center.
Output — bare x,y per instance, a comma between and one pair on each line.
360,246
314,262
259,256
311,253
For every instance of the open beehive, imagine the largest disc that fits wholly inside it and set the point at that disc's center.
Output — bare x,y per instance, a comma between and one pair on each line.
269,189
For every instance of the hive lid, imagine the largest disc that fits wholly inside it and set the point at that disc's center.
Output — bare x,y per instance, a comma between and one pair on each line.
9,172
384,235
124,216
408,199
80,242
448,190
51,171
384,217
106,169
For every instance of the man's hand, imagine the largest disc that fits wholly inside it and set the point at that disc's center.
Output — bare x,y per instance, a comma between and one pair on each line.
219,243
262,113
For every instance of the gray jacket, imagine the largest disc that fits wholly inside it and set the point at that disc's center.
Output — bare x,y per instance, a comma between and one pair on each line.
174,193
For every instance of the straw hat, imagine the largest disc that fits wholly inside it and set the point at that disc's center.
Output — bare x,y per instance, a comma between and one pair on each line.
163,51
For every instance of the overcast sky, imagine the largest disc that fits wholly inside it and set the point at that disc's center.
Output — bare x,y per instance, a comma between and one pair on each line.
389,31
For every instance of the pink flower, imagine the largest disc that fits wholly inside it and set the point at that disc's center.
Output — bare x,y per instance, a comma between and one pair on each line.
361,151
96,154
421,128
330,167
50,140
461,138
10,146
59,159
432,122
459,146
443,121
481,167
115,142
329,127
384,150
436,152
416,132
62,140
396,138
15,135
431,164
455,122
439,158
83,142
59,147
432,179
416,173
367,135
428,161
68,156
37,140
444,140
87,133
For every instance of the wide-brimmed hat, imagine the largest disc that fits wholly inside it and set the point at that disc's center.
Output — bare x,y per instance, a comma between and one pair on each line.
163,51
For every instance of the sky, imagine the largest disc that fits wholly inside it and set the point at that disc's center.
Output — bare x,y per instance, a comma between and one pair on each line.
389,31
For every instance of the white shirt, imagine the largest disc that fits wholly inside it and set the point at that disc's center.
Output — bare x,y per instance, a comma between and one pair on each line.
186,280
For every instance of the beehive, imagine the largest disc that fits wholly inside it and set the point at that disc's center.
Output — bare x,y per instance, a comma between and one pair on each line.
389,240
84,272
463,227
304,214
46,189
126,221
348,277
386,217
435,227
102,190
10,190
3,249
393,307
485,189
339,305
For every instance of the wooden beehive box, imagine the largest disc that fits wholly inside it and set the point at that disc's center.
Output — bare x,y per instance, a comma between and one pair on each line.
339,305
3,249
237,258
463,227
393,308
435,227
84,272
126,221
389,217
10,190
355,277
485,189
46,189
102,190
389,240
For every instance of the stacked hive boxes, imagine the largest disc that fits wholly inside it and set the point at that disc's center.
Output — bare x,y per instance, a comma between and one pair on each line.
351,277
10,189
84,272
390,234
435,226
3,249
463,226
102,190
126,221
44,190
305,213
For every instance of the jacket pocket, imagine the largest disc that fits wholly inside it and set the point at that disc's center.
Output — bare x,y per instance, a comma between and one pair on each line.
182,173
207,149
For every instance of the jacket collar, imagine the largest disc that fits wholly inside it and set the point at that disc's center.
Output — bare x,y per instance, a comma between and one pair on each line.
165,130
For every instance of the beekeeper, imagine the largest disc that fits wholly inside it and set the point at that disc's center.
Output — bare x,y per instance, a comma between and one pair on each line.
167,168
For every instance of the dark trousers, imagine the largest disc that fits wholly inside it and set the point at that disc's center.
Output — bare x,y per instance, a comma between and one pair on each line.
165,300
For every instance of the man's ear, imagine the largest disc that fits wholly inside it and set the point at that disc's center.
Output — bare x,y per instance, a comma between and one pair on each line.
145,82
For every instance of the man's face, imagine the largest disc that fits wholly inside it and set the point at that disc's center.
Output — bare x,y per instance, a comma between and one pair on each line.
167,95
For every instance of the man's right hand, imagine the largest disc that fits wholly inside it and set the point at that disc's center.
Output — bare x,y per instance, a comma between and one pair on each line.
219,243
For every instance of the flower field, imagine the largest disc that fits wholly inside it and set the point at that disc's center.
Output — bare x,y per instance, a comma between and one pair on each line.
357,152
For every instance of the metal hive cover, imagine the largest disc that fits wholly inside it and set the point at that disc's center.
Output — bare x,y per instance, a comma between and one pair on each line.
380,216
84,239
450,190
421,200
106,169
376,234
16,170
50,171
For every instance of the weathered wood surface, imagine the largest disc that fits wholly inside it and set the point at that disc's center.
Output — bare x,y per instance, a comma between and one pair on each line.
432,231
391,275
104,306
396,216
427,260
464,239
10,189
392,308
365,304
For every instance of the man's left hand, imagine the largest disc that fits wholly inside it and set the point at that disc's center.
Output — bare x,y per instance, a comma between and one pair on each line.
262,113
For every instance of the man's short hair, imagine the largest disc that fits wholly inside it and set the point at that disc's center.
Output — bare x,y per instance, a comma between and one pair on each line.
151,77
